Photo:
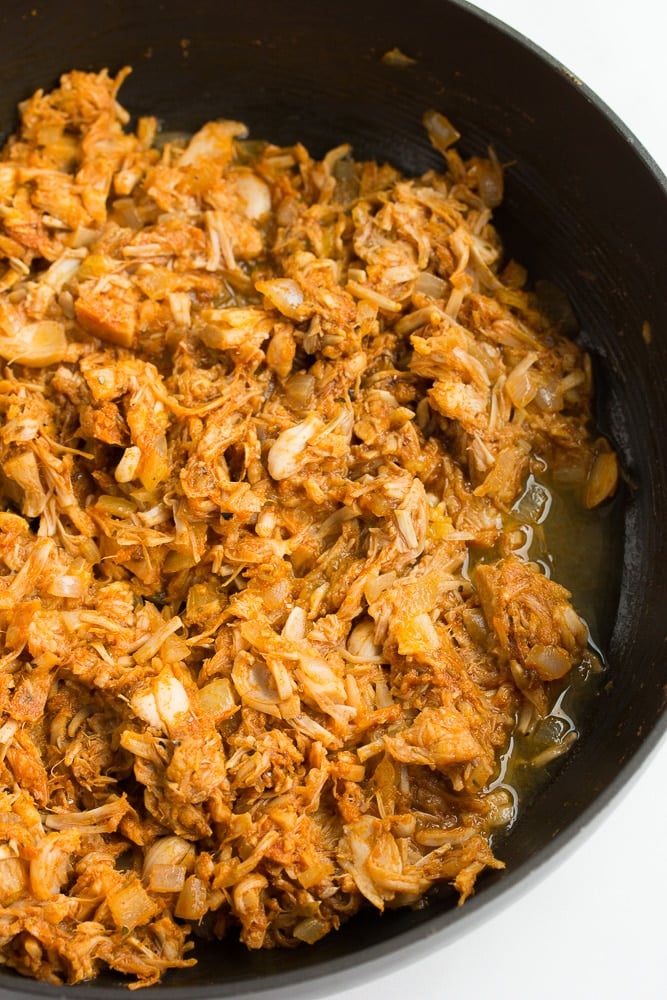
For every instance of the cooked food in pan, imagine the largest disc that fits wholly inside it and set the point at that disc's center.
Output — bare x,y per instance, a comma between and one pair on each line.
279,437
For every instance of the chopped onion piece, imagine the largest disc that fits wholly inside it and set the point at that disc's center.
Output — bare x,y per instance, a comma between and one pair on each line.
286,295
440,130
35,345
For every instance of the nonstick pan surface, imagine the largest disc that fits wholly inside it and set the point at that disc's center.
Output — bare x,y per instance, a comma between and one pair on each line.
584,208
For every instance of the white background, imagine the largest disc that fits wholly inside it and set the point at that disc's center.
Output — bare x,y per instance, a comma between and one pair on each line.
596,925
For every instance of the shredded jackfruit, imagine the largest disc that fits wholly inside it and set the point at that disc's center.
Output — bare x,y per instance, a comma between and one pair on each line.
261,416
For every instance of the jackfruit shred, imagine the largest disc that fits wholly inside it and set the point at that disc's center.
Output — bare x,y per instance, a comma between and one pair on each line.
267,616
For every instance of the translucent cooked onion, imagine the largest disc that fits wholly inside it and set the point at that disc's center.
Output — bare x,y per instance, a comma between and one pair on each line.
602,479
68,586
361,641
35,345
548,398
167,878
154,466
131,906
522,385
310,930
413,320
254,193
550,662
476,626
299,389
23,469
169,852
217,698
255,685
13,875
490,181
431,284
286,295
440,130
192,900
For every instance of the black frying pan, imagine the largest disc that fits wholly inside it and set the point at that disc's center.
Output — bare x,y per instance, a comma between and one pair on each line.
584,208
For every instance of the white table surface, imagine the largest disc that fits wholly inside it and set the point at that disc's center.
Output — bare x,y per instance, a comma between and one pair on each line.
594,927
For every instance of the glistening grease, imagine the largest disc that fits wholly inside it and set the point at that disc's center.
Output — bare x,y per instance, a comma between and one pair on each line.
580,548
